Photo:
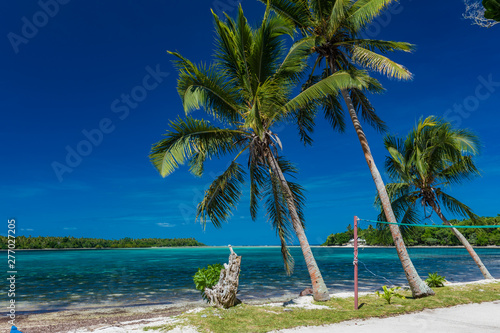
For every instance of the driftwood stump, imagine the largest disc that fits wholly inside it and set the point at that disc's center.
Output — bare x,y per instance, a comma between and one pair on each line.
223,294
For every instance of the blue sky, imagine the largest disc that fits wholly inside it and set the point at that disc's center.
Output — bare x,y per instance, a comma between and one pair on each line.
71,75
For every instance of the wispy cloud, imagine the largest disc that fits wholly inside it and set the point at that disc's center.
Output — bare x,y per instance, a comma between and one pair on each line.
38,189
135,218
22,192
342,180
165,225
147,219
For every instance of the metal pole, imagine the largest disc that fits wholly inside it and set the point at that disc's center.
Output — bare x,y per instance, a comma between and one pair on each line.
355,263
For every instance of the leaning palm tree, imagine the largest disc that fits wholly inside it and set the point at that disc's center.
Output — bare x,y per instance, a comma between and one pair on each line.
248,89
333,30
432,157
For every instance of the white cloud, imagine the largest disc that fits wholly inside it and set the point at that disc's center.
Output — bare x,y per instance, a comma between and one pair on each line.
68,228
165,225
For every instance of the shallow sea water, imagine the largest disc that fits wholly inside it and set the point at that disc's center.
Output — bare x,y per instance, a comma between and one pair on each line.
58,280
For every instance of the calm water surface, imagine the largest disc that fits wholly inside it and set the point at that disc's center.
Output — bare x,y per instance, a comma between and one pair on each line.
56,280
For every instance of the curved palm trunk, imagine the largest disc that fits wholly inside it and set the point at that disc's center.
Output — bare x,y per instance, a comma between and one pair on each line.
418,287
464,242
320,291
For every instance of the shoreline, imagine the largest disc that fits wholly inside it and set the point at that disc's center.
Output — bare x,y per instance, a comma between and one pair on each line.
135,318
258,246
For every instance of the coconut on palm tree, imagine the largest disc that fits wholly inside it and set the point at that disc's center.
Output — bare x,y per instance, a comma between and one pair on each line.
248,90
432,157
334,30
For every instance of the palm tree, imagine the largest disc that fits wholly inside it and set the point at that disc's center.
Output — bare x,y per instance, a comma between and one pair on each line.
433,156
248,90
333,29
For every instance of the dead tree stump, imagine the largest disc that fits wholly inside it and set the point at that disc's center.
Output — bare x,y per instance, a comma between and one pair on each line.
223,294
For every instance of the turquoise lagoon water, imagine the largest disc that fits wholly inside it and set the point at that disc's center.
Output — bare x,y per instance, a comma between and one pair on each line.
57,280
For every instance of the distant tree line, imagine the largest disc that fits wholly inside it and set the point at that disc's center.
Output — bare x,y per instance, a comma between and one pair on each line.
23,242
424,235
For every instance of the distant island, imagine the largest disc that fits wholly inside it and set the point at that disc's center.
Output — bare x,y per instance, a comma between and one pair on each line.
32,243
422,236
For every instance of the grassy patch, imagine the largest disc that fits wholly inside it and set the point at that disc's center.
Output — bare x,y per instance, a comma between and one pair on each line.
163,328
247,318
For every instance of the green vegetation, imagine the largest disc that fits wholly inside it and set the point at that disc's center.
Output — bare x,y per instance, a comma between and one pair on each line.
492,9
435,280
207,278
23,242
247,318
389,293
162,328
425,236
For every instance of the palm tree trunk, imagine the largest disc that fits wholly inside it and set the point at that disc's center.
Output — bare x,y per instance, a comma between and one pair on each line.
464,242
320,291
418,287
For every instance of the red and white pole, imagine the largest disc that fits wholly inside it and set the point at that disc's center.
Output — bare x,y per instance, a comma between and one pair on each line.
355,262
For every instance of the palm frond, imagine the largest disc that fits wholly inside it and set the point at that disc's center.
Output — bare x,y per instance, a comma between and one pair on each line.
277,212
233,42
329,86
222,196
192,139
395,163
463,169
364,11
381,45
294,64
362,105
204,87
268,47
319,9
406,212
337,15
296,11
334,113
467,141
380,63
253,119
304,118
257,182
454,206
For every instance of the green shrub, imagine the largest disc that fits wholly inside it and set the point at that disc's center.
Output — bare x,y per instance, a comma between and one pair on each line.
389,293
431,241
207,278
435,280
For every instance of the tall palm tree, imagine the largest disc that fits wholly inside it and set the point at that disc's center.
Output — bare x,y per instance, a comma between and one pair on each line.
248,89
432,157
334,29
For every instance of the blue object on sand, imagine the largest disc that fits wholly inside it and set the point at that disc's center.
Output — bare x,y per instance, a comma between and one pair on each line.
14,330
